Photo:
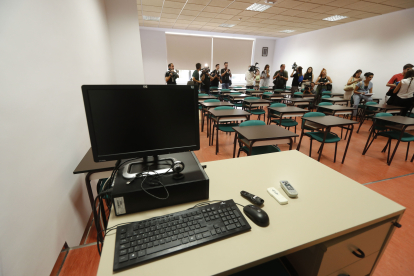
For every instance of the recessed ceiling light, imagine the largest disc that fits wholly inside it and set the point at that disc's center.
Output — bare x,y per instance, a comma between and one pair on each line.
258,7
335,18
270,1
287,31
226,25
151,18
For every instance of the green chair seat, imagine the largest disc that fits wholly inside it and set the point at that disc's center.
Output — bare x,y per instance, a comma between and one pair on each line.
213,87
261,149
318,136
267,93
202,94
264,87
227,127
286,122
407,137
235,93
326,92
288,87
257,111
238,104
278,90
237,87
311,114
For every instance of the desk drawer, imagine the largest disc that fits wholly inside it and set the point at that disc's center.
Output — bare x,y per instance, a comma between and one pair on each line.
360,268
339,251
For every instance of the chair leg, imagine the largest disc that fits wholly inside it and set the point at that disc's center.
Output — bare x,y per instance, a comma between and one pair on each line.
336,147
310,148
386,145
217,140
212,136
412,158
408,148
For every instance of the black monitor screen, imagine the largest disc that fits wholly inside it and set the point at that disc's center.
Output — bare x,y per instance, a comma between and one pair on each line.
128,121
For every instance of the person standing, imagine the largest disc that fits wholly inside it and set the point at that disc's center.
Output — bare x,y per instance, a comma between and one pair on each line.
225,76
356,77
171,75
322,83
361,90
265,77
280,77
405,91
215,76
307,78
394,81
196,77
249,76
295,81
205,81
257,76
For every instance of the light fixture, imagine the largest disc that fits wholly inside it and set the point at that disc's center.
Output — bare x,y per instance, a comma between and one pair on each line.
258,7
335,18
205,65
226,25
151,18
287,31
270,1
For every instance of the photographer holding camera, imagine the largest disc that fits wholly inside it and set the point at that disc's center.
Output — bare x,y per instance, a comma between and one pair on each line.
215,76
171,75
196,77
225,76
250,77
297,78
205,80
280,77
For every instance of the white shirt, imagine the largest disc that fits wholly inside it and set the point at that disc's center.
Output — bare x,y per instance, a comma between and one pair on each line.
406,92
250,78
266,80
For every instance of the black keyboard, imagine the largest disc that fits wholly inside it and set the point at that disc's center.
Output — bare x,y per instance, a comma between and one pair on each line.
142,241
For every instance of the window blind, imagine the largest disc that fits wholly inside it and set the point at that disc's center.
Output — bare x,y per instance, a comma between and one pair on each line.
185,51
237,52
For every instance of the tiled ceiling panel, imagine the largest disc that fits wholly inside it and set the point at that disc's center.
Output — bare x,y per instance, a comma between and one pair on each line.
298,15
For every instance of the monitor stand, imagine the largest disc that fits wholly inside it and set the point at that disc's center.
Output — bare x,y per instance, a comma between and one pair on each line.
148,166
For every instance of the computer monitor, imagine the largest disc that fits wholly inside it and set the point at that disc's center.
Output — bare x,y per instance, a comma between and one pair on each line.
131,121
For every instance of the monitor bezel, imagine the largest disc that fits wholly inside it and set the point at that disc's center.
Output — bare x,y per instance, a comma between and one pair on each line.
130,155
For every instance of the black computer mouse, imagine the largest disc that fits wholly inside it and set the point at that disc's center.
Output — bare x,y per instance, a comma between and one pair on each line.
257,215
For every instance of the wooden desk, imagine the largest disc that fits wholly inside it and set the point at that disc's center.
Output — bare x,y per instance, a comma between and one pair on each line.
226,116
338,95
272,97
388,108
238,97
203,98
299,101
327,122
403,124
262,136
337,101
206,107
94,170
342,207
338,109
258,102
289,111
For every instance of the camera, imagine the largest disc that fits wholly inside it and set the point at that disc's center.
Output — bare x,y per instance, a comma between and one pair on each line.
254,68
205,70
294,66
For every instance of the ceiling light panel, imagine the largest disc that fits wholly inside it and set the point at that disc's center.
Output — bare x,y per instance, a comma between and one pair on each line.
151,18
258,7
335,18
226,25
287,31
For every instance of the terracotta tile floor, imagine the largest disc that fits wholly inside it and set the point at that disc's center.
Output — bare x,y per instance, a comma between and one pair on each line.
399,256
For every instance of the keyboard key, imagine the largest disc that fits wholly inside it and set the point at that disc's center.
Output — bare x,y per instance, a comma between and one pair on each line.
223,229
180,236
162,241
123,236
149,245
156,243
206,234
238,225
173,238
218,230
242,222
144,246
168,239
199,236
213,232
133,243
192,238
226,223
136,248
191,233
132,256
202,223
185,240
123,258
123,230
231,226
122,252
130,250
198,231
123,241
141,253
125,246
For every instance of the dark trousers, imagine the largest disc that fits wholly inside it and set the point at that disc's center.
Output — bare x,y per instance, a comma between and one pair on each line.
407,103
249,86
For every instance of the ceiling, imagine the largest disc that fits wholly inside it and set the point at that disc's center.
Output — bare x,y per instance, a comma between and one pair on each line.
302,16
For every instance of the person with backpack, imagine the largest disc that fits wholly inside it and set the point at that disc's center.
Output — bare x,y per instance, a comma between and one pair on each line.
404,92
280,77
297,80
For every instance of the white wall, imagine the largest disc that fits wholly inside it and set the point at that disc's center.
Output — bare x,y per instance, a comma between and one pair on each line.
48,49
125,41
154,51
154,54
381,44
257,57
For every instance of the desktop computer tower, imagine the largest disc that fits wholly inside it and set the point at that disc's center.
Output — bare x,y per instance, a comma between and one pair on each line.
131,198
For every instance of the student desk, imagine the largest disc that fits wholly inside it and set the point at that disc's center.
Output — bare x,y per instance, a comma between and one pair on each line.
288,111
226,115
299,101
328,209
404,123
206,107
338,95
254,103
328,122
238,97
94,170
273,96
338,109
337,100
387,108
203,98
263,135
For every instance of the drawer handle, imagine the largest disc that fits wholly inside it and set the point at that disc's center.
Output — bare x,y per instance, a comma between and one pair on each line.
361,255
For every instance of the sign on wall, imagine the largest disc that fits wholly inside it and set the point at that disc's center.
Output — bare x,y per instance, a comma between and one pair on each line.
265,50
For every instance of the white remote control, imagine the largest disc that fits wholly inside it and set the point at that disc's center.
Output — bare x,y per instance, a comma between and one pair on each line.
277,195
287,187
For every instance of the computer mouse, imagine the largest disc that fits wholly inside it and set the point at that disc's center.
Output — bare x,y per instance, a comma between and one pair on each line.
257,215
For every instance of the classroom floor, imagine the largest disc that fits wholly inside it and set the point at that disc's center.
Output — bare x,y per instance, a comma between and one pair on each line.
395,182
